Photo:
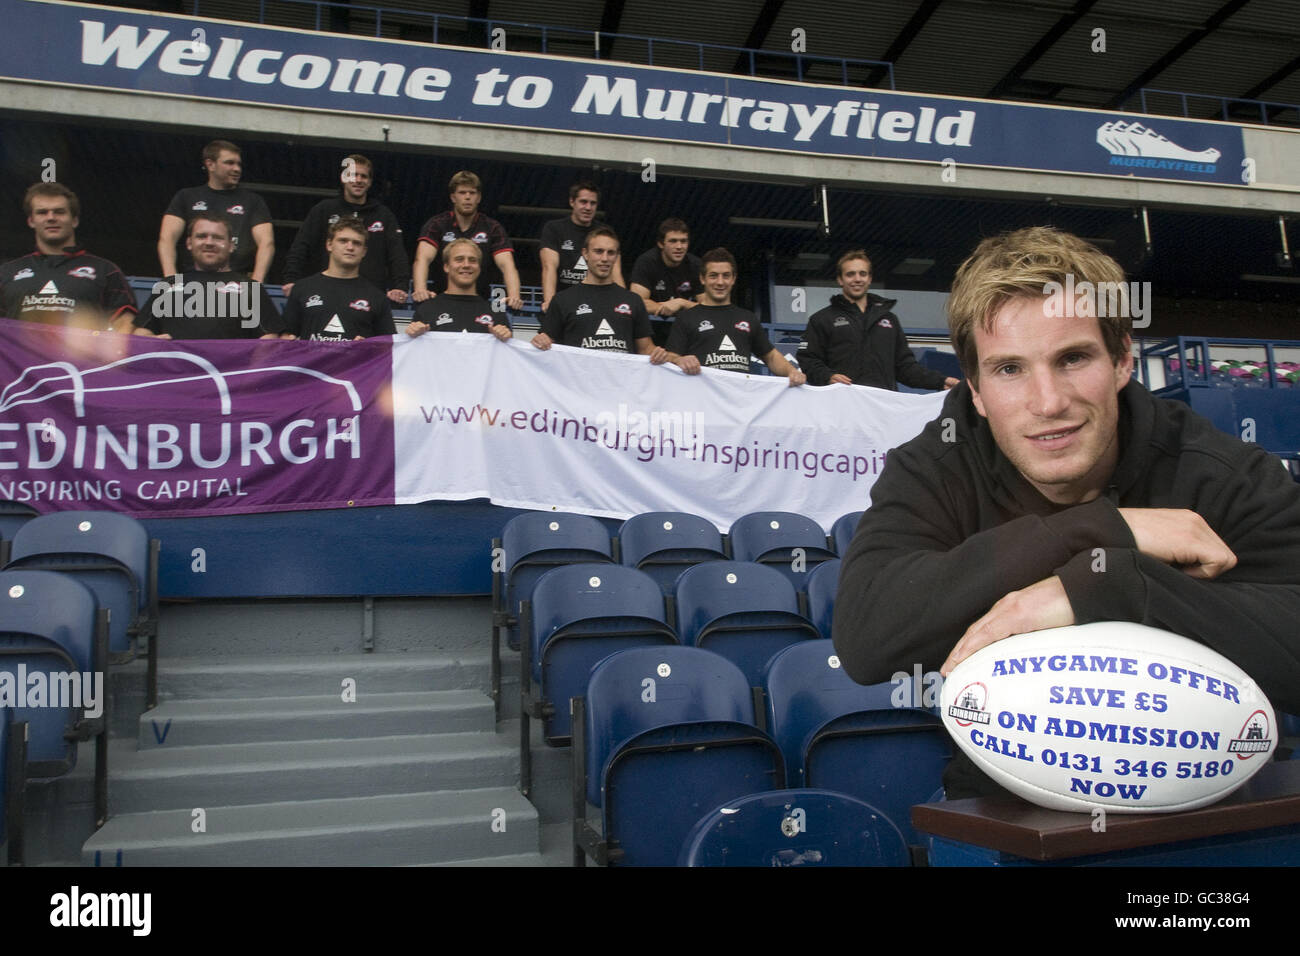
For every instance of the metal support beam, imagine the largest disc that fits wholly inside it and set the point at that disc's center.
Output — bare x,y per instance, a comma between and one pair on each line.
1059,29
905,37
758,32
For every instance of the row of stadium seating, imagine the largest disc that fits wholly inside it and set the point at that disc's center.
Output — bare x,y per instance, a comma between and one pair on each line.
669,743
662,544
78,592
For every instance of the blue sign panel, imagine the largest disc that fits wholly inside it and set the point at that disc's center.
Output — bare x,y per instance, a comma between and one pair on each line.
145,52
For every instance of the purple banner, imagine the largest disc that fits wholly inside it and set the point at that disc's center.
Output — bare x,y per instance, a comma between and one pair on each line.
162,428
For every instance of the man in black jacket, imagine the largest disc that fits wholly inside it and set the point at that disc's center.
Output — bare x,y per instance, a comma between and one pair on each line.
385,263
856,340
1054,490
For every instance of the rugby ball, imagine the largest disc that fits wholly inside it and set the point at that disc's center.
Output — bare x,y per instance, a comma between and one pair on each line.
1112,714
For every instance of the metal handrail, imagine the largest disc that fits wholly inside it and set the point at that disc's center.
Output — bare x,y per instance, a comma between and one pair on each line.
1263,105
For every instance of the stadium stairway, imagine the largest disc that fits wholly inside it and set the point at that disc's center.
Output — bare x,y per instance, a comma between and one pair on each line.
257,756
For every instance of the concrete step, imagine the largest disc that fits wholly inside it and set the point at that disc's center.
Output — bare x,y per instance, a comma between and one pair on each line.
322,675
475,827
181,723
218,775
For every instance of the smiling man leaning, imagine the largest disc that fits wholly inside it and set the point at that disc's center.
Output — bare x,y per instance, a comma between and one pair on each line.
1054,490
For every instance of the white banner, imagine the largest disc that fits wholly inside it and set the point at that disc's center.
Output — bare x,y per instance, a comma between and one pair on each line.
612,435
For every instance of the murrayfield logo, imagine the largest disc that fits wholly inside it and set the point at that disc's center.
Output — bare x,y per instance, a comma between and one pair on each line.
1132,144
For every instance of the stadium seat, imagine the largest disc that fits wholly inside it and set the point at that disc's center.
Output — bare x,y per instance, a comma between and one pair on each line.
662,735
792,543
577,616
13,515
113,556
839,735
842,531
530,545
665,543
744,611
795,828
50,624
822,584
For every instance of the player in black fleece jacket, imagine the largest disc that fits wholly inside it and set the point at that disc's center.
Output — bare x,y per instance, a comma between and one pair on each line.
962,537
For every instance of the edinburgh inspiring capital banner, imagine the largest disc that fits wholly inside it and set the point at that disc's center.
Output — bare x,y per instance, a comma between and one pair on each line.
163,428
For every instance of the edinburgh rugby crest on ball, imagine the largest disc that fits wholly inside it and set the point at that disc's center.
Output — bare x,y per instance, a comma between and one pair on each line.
1112,714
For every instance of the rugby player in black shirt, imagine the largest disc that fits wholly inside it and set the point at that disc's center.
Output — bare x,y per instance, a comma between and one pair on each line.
563,264
460,308
667,278
61,283
717,334
599,314
337,305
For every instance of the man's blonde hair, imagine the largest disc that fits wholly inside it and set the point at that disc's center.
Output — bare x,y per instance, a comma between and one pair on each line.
1018,265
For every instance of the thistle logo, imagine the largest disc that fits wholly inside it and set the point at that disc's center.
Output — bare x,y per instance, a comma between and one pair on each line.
1254,737
886,324
376,226
83,272
623,309
484,319
742,326
480,237
971,705
1132,144
360,305
235,211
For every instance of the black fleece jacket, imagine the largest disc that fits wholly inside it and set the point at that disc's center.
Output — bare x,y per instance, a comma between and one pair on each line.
953,527
869,347
385,264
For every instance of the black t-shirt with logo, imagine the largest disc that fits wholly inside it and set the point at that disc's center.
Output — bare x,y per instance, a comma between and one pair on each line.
488,234
458,313
45,288
682,281
324,309
597,317
567,239
209,305
720,336
243,207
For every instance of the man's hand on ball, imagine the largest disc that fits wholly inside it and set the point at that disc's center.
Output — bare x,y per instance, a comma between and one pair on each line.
1035,608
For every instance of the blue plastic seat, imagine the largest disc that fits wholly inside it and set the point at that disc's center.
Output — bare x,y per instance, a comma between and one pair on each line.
822,585
843,736
51,625
13,515
744,611
665,543
663,735
842,531
577,616
534,543
112,555
792,543
795,828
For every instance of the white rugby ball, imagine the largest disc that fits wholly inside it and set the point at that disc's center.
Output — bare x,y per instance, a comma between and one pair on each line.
1112,714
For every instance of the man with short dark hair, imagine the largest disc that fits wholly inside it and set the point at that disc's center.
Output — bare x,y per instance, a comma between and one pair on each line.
1053,490
464,221
460,308
385,263
717,334
254,236
337,305
857,340
563,264
61,283
599,314
209,301
667,278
